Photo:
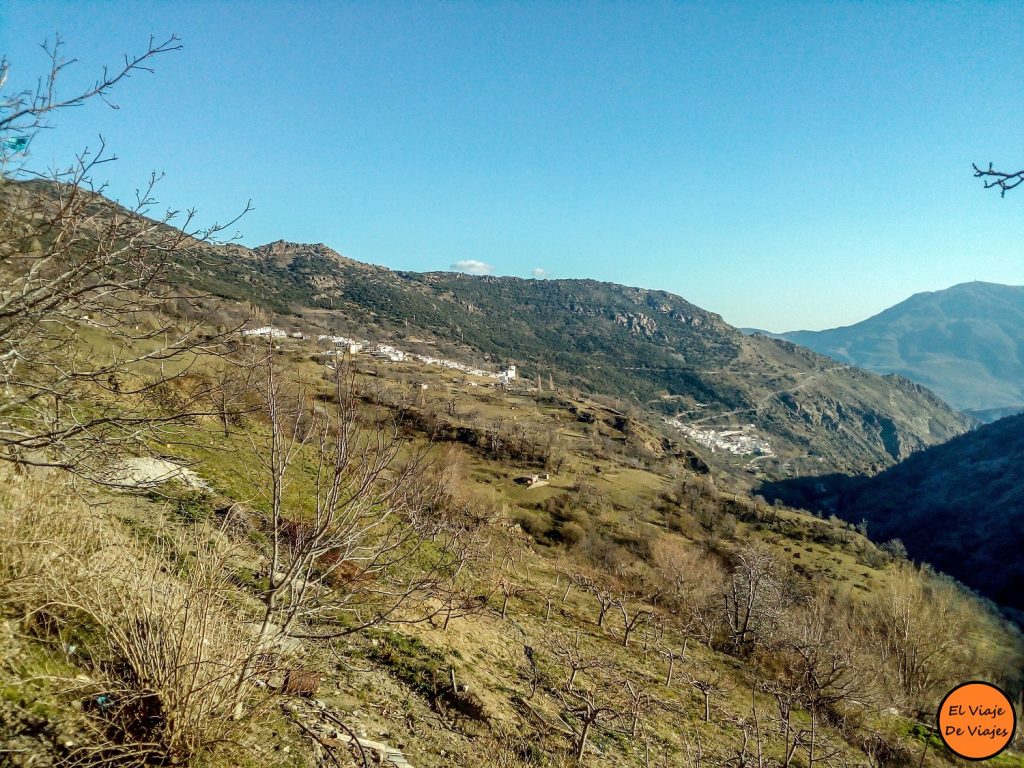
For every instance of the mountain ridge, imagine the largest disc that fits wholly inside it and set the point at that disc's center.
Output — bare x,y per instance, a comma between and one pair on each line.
651,347
965,342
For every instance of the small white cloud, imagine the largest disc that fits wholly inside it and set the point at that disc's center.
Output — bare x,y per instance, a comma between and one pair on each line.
540,274
472,267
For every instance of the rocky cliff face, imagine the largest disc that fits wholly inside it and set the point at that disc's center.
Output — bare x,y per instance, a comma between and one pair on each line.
637,323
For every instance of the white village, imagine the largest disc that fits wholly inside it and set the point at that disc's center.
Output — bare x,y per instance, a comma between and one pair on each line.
739,441
343,345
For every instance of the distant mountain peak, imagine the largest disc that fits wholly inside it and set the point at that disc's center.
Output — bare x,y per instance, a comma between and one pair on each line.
965,342
285,253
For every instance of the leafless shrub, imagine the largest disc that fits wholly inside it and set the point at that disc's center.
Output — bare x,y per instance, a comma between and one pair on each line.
917,626
754,599
70,259
160,644
384,540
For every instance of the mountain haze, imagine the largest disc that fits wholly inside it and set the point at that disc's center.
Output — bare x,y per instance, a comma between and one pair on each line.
966,343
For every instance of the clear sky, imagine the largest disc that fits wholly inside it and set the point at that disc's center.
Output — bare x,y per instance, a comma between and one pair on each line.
788,165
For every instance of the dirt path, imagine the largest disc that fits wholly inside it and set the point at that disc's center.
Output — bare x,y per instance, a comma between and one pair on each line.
760,403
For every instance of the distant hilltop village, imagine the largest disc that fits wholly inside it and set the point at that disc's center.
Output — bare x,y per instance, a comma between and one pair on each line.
739,441
381,351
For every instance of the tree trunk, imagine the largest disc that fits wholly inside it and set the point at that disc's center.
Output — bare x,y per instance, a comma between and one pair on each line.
582,746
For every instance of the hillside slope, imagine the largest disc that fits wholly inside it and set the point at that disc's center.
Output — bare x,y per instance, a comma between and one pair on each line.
413,563
959,506
608,582
966,343
651,348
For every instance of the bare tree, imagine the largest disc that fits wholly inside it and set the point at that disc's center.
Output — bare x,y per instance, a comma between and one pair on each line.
640,700
607,599
574,658
629,624
821,657
88,337
1002,180
509,589
588,708
674,654
786,701
706,620
710,683
378,540
753,600
549,602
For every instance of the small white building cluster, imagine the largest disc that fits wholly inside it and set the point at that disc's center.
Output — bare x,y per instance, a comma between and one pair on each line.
450,364
343,343
266,331
387,352
740,441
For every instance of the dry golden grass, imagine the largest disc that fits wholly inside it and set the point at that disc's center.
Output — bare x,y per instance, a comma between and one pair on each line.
152,628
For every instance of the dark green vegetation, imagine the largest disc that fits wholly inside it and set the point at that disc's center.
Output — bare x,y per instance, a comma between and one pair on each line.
966,343
652,348
959,506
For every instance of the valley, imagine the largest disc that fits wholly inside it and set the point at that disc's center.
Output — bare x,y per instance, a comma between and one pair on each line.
269,506
465,556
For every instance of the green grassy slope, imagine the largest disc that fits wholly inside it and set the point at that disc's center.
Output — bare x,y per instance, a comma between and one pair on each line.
623,507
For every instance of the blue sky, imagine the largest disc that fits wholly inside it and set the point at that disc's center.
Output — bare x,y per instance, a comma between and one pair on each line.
788,165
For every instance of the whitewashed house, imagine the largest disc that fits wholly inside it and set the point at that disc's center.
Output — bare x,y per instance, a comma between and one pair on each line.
266,331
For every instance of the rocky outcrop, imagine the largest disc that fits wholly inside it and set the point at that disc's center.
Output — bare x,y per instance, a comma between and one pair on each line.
638,323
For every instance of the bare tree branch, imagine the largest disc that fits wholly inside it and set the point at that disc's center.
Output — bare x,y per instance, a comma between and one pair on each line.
999,179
